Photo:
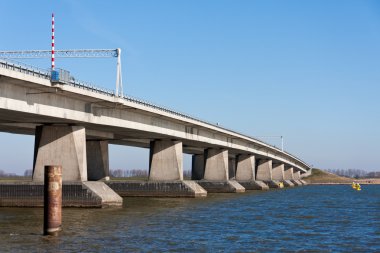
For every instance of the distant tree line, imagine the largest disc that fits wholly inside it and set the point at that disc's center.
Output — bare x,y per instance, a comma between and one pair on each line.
128,173
5,174
354,173
138,173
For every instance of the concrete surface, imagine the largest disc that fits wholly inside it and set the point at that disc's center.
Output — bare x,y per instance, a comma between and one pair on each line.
288,174
245,170
264,170
61,145
165,160
216,165
278,172
229,186
288,183
105,193
143,188
254,185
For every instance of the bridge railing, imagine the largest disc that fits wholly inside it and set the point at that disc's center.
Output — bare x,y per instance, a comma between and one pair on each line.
46,74
25,68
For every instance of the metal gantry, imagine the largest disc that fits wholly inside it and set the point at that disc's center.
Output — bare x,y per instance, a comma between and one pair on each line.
72,53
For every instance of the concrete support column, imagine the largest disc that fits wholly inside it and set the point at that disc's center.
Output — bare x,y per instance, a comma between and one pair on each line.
288,174
231,167
245,169
216,164
60,145
297,175
97,160
278,172
197,167
264,170
165,161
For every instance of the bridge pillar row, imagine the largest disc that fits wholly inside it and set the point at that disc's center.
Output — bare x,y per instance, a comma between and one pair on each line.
165,161
60,145
97,160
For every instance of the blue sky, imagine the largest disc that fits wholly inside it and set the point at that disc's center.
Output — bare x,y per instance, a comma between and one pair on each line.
307,70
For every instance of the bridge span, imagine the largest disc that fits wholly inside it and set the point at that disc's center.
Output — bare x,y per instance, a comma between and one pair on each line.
73,124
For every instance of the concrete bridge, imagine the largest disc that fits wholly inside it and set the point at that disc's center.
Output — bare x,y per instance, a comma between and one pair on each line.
73,124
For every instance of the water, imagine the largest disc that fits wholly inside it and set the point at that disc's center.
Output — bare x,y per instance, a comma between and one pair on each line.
302,219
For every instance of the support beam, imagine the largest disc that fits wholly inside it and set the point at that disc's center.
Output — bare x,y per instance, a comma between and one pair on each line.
165,161
245,169
278,172
197,167
60,145
97,160
216,164
264,170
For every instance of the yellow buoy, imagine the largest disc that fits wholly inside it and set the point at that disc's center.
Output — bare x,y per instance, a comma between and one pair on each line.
356,186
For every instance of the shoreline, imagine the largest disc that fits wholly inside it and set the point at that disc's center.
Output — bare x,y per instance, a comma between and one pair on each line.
343,183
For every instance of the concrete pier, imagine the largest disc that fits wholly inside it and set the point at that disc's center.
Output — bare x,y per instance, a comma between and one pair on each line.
245,170
264,170
216,165
288,174
64,145
165,161
278,172
97,160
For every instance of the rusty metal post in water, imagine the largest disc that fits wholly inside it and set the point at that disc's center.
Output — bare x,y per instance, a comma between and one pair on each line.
52,200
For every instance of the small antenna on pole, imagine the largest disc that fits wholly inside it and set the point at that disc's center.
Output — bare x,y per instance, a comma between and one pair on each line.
52,42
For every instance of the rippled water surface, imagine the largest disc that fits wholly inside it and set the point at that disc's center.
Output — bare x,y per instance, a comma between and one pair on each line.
303,219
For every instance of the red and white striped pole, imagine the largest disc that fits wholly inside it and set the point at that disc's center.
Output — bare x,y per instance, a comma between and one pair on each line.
52,42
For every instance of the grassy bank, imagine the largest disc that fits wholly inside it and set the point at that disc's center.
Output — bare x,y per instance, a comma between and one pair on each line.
322,177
